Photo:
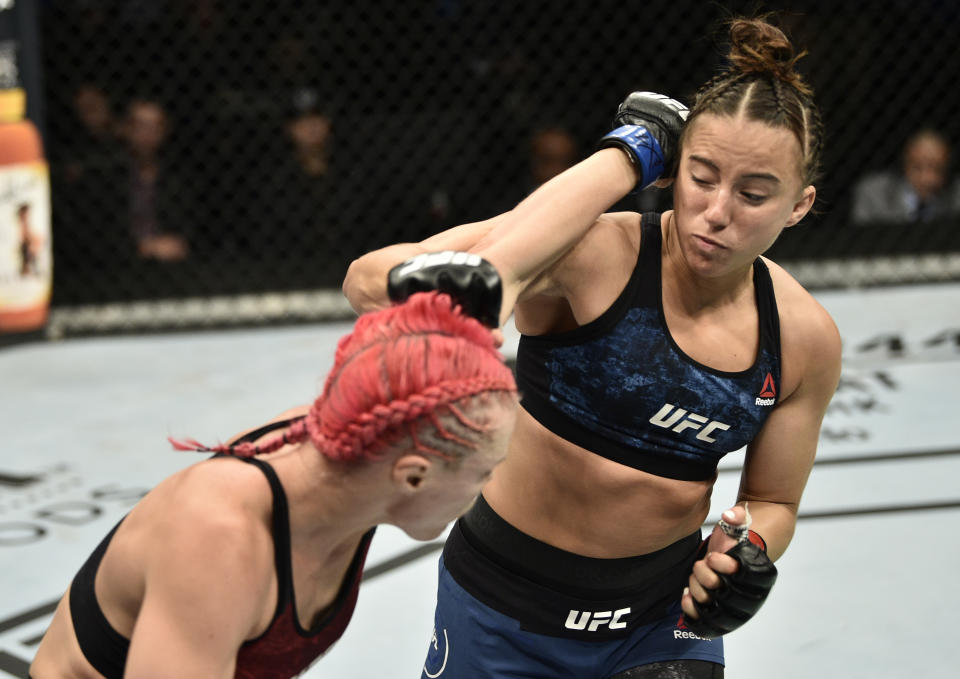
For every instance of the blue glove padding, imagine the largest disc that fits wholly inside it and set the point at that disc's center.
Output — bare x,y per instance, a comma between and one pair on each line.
644,151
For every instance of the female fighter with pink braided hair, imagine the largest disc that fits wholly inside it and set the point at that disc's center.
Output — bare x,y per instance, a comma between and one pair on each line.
248,564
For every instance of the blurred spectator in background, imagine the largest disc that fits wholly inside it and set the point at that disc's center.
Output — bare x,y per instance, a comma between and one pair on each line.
155,196
90,142
919,192
298,195
94,112
128,203
309,127
551,149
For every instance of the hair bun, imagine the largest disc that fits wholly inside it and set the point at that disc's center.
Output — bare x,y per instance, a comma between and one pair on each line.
758,47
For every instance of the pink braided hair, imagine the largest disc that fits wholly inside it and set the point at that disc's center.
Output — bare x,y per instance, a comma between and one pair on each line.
399,367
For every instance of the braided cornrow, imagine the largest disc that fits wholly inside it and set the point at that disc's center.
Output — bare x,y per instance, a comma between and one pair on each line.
719,87
367,430
295,433
762,83
419,362
777,86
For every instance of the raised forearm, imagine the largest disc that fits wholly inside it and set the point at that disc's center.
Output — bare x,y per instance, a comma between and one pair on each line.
365,285
543,227
522,243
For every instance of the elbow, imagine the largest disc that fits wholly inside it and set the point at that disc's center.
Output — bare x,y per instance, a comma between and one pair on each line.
360,289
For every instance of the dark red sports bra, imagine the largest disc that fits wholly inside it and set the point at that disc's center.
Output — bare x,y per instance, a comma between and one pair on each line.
284,650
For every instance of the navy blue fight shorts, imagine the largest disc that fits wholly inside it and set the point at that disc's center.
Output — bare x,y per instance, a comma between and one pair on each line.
526,609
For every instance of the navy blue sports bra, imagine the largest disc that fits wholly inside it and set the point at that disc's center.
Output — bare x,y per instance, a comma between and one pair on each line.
620,386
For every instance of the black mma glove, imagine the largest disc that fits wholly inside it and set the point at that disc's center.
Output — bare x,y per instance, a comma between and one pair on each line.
469,279
648,127
739,597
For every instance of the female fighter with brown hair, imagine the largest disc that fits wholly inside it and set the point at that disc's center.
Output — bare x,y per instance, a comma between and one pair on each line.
652,345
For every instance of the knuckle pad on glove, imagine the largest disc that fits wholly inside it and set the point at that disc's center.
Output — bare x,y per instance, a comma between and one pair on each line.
471,281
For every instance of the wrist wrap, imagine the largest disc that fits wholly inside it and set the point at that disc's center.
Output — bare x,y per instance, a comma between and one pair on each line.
642,148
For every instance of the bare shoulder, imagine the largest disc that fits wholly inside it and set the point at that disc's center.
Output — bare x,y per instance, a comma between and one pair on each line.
809,336
218,509
626,223
585,280
198,531
228,488
801,314
219,514
614,234
208,575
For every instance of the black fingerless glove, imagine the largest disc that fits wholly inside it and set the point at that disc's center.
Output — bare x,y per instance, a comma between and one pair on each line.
648,127
469,279
739,597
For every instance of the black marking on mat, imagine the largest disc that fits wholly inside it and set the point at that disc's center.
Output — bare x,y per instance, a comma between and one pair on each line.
34,640
401,560
13,665
860,459
857,459
19,480
882,509
28,616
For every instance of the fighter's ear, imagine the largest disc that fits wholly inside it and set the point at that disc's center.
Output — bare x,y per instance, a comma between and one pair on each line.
410,470
803,205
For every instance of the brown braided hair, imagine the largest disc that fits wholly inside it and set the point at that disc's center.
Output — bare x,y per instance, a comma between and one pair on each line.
761,82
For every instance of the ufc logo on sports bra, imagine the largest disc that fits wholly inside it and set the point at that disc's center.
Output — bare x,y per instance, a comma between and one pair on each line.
679,420
591,620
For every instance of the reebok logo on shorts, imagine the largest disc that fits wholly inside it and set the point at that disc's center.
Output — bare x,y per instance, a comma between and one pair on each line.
768,392
681,632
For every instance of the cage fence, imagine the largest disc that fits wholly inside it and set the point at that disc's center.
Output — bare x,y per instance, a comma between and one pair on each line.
220,162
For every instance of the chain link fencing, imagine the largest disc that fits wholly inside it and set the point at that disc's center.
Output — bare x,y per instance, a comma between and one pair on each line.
216,162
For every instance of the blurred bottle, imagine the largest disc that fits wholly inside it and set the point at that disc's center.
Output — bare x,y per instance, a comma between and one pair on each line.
26,266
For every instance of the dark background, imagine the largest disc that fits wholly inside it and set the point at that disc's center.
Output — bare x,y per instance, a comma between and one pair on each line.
431,104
